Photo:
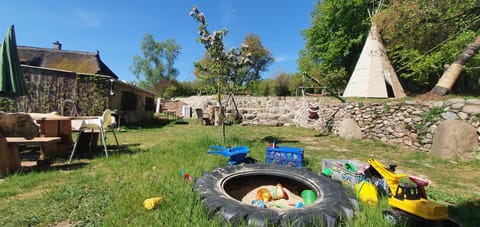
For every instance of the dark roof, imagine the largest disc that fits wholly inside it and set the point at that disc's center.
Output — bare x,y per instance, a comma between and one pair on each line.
75,61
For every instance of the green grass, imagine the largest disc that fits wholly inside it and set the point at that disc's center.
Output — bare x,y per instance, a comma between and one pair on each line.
100,191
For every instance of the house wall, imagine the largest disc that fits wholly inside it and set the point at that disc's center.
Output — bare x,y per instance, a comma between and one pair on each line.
140,111
50,90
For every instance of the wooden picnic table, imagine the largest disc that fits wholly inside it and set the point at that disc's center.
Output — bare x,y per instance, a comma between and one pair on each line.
54,125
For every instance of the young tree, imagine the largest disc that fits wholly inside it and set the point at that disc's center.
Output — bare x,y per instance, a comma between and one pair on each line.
242,77
224,66
156,65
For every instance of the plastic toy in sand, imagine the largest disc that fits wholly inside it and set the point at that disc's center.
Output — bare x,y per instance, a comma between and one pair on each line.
264,195
278,192
258,203
308,197
296,205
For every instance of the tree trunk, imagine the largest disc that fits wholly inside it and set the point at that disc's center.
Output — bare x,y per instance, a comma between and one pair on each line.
446,82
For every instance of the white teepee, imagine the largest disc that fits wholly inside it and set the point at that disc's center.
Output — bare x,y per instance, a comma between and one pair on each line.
374,76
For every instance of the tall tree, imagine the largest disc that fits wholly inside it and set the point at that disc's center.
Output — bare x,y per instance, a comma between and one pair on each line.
424,35
156,66
260,59
334,41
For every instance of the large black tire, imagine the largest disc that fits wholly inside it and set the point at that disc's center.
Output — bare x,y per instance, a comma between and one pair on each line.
221,191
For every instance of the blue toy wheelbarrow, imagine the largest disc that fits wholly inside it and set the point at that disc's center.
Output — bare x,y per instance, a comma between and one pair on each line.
237,154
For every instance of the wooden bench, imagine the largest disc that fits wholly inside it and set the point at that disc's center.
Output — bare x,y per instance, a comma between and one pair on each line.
12,160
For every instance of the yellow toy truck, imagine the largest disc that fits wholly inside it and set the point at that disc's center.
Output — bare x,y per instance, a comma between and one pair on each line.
407,202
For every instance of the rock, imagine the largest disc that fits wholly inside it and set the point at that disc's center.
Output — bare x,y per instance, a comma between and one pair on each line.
473,101
396,141
410,102
417,112
462,115
349,129
458,105
437,104
454,138
249,116
426,141
472,109
449,116
417,119
456,100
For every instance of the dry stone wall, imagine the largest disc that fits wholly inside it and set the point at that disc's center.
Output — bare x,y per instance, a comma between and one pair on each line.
408,123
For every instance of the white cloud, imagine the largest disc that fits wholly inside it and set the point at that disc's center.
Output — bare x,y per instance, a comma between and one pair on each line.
284,58
228,13
88,19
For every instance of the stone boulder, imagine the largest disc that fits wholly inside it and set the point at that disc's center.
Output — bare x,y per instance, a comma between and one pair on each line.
454,138
349,129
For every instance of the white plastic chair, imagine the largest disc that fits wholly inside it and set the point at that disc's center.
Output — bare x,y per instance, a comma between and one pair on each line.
102,124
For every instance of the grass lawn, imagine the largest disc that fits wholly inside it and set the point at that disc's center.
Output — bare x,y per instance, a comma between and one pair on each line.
99,191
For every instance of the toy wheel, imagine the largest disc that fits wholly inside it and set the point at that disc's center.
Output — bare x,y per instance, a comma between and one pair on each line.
222,189
391,216
249,160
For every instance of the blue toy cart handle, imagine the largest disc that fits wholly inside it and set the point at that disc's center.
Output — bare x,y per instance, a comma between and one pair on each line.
236,154
228,152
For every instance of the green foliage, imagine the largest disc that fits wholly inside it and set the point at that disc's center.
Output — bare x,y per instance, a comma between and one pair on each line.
335,40
260,58
441,31
282,81
48,91
264,88
427,119
91,94
8,104
156,65
420,37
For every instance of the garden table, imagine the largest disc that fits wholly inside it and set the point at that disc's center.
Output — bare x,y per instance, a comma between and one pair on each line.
54,125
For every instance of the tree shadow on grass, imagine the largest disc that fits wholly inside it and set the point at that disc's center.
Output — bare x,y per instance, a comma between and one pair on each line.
31,163
466,214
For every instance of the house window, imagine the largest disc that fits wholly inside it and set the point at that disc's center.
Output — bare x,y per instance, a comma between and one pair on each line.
129,101
149,104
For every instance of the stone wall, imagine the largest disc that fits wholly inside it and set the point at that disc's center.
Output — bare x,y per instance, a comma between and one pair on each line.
407,123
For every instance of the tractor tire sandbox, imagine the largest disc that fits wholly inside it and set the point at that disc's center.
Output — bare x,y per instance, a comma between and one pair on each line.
222,190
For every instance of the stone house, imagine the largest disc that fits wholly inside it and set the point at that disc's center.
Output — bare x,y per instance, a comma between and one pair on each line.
78,82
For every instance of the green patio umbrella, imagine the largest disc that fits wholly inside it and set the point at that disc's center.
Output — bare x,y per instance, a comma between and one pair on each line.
12,81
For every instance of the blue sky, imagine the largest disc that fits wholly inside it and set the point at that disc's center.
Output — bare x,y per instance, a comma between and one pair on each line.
116,28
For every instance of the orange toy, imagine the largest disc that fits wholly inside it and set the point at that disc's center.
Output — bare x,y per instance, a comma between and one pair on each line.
264,195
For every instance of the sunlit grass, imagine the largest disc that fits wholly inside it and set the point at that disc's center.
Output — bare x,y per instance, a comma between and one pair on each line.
100,191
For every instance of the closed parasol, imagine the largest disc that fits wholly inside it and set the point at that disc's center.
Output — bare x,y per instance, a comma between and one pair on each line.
12,81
